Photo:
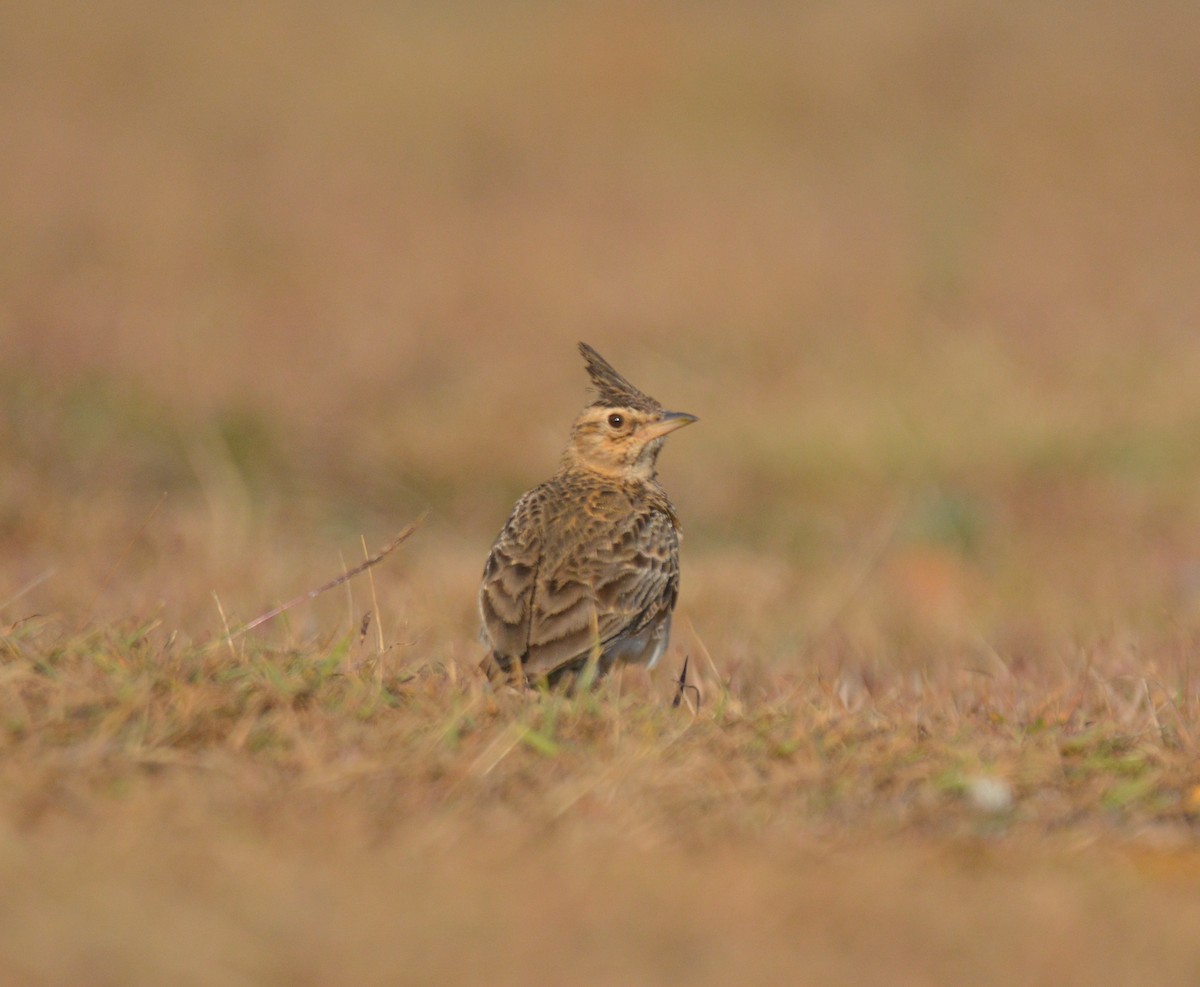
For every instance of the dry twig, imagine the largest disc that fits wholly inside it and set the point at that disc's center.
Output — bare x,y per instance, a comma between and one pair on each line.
378,557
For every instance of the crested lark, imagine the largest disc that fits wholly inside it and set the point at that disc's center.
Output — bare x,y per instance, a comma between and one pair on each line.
587,567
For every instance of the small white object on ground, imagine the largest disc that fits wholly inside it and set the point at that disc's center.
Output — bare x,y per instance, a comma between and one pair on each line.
990,795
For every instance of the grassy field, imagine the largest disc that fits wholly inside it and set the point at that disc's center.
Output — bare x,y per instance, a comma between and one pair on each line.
277,279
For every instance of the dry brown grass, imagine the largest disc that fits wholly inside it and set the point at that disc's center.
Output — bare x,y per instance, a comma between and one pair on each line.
927,274
329,814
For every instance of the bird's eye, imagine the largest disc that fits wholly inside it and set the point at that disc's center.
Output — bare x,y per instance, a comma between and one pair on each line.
615,421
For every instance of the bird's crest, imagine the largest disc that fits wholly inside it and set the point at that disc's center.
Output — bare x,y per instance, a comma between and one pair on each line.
613,390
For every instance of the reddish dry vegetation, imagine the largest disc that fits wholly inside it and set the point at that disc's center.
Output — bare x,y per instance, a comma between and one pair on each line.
275,281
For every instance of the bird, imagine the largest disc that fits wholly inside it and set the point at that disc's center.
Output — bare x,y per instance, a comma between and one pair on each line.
586,569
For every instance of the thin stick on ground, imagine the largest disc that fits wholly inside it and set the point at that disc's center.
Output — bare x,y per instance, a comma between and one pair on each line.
684,685
350,617
28,587
228,639
374,602
703,649
379,556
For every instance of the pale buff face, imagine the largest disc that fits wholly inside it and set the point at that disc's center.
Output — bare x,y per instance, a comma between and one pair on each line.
622,441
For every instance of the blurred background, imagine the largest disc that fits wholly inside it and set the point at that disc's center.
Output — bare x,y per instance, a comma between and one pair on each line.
927,273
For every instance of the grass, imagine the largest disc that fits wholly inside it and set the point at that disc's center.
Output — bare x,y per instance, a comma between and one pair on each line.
925,274
327,811
1095,752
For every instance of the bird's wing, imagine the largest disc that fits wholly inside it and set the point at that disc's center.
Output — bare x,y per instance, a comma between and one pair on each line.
559,583
639,585
609,588
510,579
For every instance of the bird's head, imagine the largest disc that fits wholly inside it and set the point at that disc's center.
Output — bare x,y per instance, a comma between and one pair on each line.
622,431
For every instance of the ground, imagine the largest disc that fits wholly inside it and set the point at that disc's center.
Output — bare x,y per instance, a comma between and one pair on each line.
277,281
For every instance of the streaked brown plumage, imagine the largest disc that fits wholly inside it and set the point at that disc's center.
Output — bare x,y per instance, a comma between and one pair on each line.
588,563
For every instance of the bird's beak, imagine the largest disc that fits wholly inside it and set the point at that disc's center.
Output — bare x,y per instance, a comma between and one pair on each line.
670,421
